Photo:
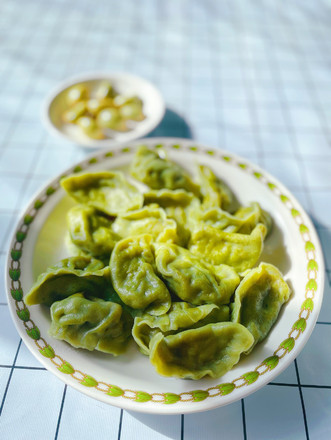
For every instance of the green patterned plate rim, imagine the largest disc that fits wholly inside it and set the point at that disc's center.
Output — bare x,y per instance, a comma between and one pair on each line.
173,399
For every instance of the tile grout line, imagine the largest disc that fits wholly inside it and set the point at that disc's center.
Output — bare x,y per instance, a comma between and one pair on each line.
216,68
302,399
278,82
17,51
23,367
250,99
41,142
120,426
60,413
310,83
10,377
243,419
13,122
295,385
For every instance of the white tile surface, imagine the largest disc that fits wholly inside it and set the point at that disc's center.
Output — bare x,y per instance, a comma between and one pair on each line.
34,415
274,413
89,419
318,172
9,338
314,360
287,170
318,409
321,207
150,427
224,419
325,313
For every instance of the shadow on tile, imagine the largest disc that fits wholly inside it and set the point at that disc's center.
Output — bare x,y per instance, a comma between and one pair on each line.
172,125
196,426
166,425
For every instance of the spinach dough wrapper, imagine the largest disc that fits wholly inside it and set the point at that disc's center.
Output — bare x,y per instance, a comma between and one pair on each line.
158,173
134,277
258,300
240,251
211,350
177,204
192,279
107,191
167,197
147,220
92,324
215,193
91,231
69,276
181,315
243,221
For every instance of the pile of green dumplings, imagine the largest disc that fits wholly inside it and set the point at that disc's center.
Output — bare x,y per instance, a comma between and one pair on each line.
172,266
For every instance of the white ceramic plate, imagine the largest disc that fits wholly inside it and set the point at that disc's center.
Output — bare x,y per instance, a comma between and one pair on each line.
129,381
124,83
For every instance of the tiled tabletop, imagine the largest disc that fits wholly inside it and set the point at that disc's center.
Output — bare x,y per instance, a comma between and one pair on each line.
252,77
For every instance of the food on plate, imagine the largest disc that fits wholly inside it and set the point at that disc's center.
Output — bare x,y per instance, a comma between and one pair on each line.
107,191
93,324
211,350
258,300
100,110
158,172
71,275
76,94
91,231
240,251
193,279
90,127
165,260
243,221
215,192
134,277
180,316
148,220
74,112
111,118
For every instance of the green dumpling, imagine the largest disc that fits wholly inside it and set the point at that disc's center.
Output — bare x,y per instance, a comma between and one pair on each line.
71,275
243,221
179,215
258,300
240,251
92,324
250,216
181,315
192,279
107,191
147,220
177,204
215,193
91,231
211,350
134,278
167,197
158,173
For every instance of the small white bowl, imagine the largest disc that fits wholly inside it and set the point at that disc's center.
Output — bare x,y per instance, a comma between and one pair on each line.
124,83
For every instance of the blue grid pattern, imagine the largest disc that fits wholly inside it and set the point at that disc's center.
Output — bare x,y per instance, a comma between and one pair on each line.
249,76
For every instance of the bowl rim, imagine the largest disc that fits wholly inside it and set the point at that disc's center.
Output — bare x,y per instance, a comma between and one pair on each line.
158,407
92,76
